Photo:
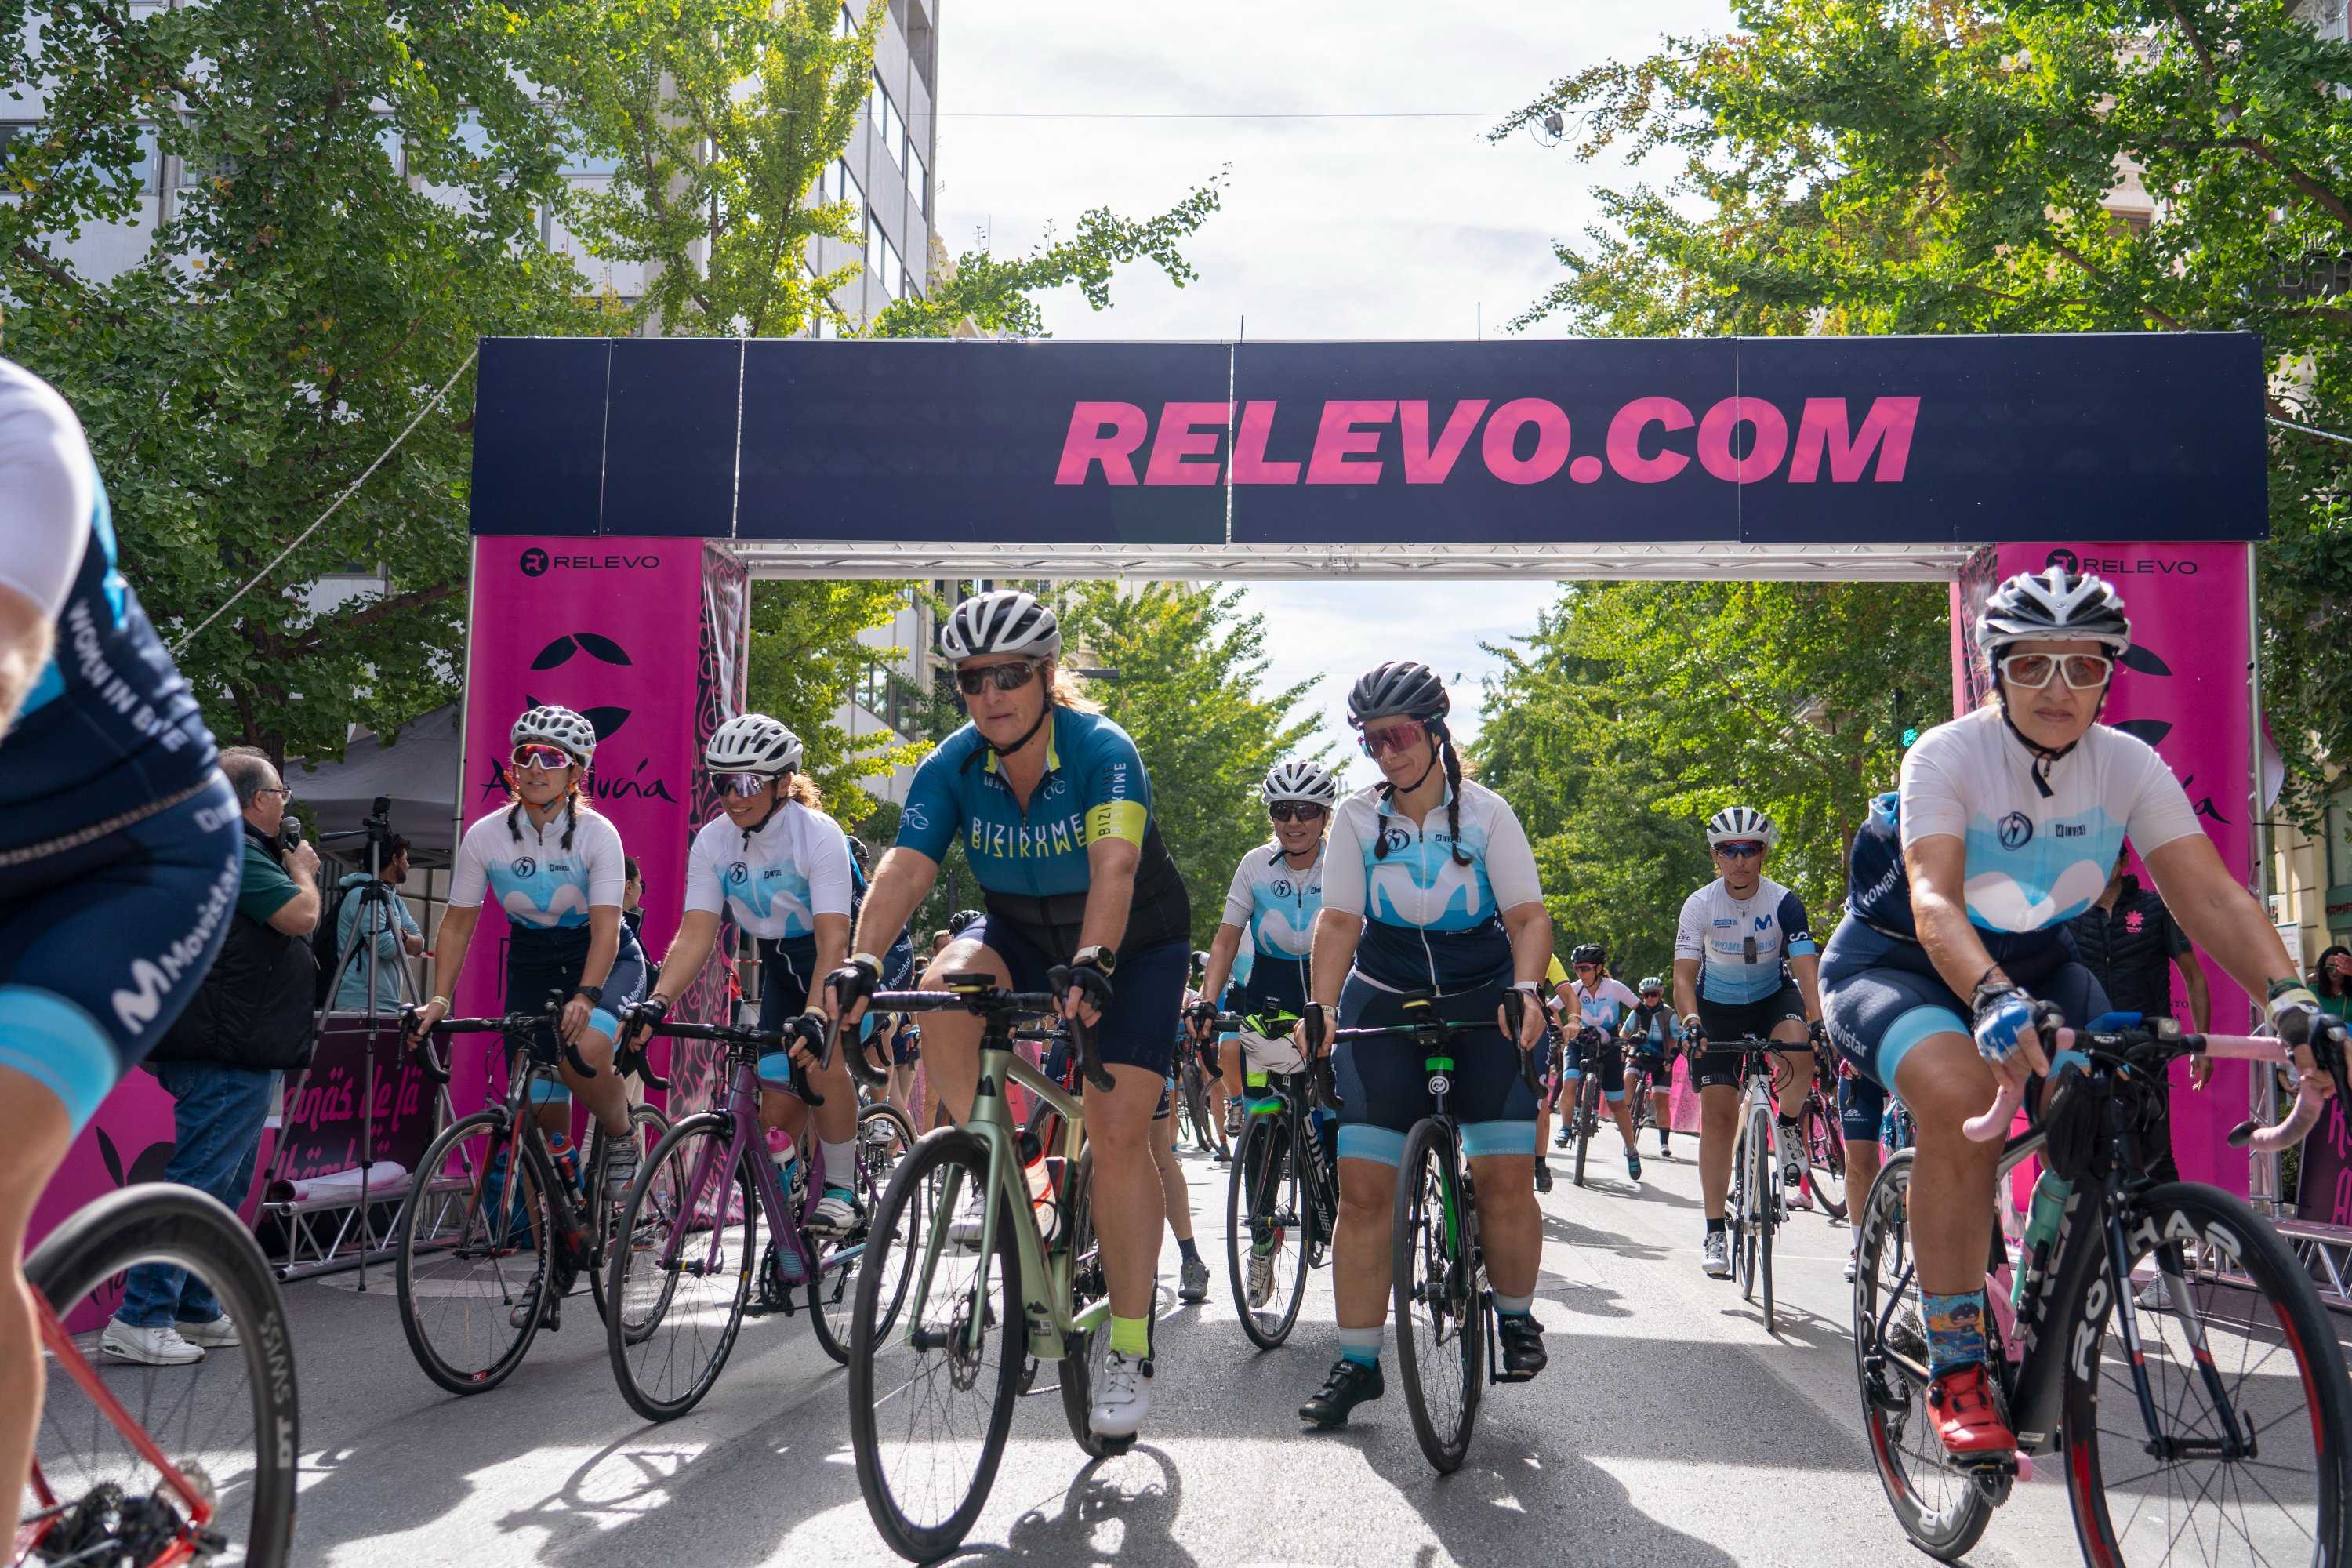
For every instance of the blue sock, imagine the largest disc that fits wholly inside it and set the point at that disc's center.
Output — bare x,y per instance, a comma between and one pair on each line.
1955,1330
1361,1346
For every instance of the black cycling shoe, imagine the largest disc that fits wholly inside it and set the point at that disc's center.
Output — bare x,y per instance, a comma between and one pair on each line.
1350,1384
1523,1346
1543,1175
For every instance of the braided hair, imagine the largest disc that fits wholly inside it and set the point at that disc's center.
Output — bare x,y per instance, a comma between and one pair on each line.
570,808
1453,763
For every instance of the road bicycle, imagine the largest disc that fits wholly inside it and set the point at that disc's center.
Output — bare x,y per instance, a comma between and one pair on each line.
146,1465
1444,1307
933,1386
1641,1081
2218,1426
685,1279
492,1237
1756,1204
1192,1094
1585,1117
1282,1197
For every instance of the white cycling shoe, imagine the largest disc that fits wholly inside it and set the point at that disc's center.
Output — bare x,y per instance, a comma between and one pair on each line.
1122,1396
1715,1255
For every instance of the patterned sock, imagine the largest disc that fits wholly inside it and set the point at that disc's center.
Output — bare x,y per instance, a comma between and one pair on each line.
1191,1253
1954,1332
1131,1336
1361,1346
1514,1306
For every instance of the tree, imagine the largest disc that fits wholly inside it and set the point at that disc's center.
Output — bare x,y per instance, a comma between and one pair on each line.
806,661
1188,662
1636,711
1945,165
296,312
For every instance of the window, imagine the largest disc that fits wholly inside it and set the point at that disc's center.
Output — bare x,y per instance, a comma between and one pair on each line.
140,177
848,25
884,114
918,180
882,263
577,162
2339,838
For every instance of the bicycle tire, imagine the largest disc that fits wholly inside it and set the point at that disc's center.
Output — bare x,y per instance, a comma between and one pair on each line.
832,1284
1770,1200
1588,1094
162,1222
1825,1152
1196,1105
1282,1162
673,1169
1432,1168
1739,1212
417,1276
1894,1401
2218,1220
960,1159
648,1126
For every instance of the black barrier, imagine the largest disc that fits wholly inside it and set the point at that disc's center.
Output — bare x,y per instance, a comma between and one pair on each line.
1772,441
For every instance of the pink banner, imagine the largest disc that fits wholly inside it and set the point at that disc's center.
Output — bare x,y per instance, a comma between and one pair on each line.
2184,690
619,631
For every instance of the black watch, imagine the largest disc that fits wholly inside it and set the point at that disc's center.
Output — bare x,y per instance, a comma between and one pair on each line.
596,994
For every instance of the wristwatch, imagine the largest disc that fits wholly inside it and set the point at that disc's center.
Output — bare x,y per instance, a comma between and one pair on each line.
1099,956
596,994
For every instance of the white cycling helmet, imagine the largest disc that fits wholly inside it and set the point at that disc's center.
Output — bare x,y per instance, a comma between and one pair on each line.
753,743
1005,620
558,727
2053,605
1739,824
1299,780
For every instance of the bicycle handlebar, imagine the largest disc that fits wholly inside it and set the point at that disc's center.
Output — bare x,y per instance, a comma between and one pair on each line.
2301,1117
780,1038
624,1060
979,994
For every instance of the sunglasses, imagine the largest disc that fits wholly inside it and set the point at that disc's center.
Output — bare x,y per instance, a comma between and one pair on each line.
1740,851
1586,968
744,784
2083,671
1378,744
1003,677
1294,811
549,757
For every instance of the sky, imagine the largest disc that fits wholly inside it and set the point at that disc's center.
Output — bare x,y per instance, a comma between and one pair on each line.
1330,228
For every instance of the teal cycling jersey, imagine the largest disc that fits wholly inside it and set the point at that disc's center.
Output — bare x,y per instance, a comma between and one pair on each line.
1030,858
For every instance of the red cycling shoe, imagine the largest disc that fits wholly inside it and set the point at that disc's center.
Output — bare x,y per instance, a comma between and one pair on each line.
1970,1424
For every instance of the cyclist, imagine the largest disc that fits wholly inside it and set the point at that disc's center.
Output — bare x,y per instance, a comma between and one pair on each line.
1209,1049
120,846
1652,1029
1602,1000
1271,905
555,865
1429,885
1054,810
1557,985
782,867
1191,1268
1745,966
2002,830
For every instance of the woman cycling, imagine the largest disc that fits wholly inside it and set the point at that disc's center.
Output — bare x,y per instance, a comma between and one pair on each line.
556,868
1602,1003
782,867
1054,810
1652,1031
1429,887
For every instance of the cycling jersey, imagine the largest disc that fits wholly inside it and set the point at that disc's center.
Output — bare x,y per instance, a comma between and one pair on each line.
1031,862
110,726
1655,1024
1431,921
547,890
1743,945
1604,1004
777,879
1274,906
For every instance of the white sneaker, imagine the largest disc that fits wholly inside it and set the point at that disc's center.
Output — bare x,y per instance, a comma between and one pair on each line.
963,1232
836,1215
1850,1267
2153,1296
1715,1255
218,1334
159,1346
1793,1168
1122,1396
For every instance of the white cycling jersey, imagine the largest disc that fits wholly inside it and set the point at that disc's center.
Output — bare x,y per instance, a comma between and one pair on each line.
1743,945
542,885
1430,920
1605,1004
1274,906
787,873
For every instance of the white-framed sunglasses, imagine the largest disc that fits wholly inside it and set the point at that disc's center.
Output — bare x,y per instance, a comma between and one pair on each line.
2082,672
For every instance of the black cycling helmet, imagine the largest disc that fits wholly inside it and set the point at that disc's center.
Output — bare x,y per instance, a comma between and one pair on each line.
960,920
1398,688
1588,952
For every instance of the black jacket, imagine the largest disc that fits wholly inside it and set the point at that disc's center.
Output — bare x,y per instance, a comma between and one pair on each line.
254,1009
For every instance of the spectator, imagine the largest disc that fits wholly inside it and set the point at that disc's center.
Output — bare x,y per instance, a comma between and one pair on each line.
249,1020
940,941
2332,980
633,895
396,933
2127,939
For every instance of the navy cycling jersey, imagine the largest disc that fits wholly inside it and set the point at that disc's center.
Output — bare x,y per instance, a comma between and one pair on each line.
110,725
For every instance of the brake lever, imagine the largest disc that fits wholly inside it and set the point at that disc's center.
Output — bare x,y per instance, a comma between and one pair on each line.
1514,1015
1090,1062
556,1002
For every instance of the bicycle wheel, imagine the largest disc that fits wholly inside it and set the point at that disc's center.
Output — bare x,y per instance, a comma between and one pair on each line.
1825,1160
1588,1096
1196,1106
228,1425
930,1408
1086,1352
883,1136
1266,1201
647,1126
471,1242
2271,1367
1941,1510
1768,1191
683,1291
1739,1212
1441,1315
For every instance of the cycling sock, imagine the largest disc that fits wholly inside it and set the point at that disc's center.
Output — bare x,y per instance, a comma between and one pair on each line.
1361,1346
1514,1306
1191,1253
1131,1336
840,1160
1954,1332
1715,1227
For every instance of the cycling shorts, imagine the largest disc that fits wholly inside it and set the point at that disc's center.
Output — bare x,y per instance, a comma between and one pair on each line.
103,945
1882,997
1384,1084
1606,1057
1138,1028
531,975
905,1048
1740,1020
786,967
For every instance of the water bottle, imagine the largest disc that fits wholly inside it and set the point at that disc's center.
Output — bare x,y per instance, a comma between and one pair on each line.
786,1156
567,1159
2042,1222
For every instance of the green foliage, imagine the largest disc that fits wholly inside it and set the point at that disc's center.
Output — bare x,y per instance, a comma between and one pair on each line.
805,660
294,315
1188,663
1636,711
1944,166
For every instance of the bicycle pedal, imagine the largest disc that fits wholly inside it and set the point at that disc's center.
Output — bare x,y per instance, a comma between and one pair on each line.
1501,1376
